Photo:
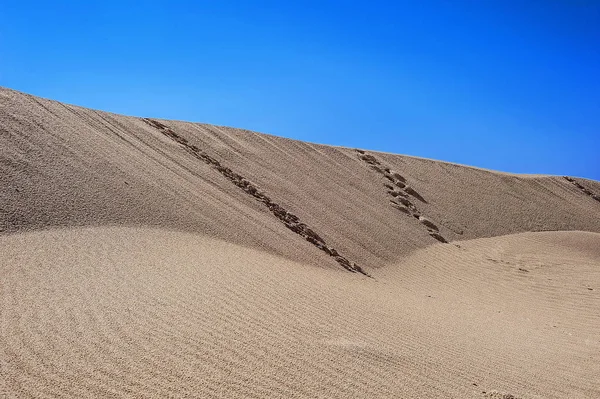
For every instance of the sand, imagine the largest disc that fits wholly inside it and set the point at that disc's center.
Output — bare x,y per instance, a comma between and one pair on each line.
152,258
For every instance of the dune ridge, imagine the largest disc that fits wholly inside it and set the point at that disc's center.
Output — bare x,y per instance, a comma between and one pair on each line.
152,258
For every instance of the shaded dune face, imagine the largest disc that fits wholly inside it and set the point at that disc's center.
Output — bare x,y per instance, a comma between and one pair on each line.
152,258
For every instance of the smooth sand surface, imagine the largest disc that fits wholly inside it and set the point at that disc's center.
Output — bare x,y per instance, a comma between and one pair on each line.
151,258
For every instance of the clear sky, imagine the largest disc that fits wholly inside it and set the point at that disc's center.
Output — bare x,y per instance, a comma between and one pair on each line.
506,85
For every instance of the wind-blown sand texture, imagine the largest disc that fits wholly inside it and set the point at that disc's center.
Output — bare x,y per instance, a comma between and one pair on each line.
153,258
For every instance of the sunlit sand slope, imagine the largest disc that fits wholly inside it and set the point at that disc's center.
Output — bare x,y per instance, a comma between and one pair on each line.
137,312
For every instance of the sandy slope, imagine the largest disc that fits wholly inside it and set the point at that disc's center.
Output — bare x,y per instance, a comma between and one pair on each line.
68,166
144,312
158,258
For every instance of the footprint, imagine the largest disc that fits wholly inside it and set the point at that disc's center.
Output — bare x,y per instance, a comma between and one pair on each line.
369,159
428,223
398,177
415,194
403,201
438,237
389,177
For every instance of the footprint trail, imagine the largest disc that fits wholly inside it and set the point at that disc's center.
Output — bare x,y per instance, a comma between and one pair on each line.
290,220
583,189
401,194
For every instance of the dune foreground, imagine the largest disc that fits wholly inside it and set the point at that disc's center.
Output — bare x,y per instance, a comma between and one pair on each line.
153,258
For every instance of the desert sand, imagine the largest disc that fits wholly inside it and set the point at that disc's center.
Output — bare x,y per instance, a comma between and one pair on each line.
152,258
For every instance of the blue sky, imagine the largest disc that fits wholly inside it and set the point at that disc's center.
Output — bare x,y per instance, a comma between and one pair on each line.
506,85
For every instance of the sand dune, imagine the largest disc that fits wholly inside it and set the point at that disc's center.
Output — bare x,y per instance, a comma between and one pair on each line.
153,258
